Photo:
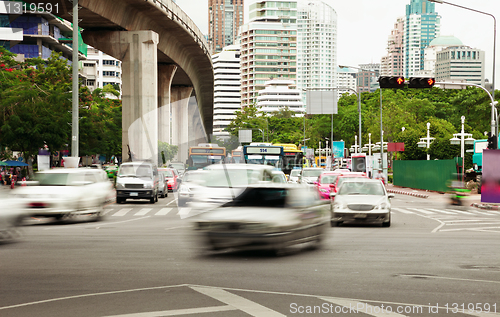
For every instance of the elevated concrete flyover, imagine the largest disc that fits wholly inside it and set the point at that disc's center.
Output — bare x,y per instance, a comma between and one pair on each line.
165,61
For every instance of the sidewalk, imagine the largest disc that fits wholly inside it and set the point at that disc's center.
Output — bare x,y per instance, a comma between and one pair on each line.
473,200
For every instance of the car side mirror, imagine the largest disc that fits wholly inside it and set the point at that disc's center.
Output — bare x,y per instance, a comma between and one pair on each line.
391,195
332,185
333,194
316,183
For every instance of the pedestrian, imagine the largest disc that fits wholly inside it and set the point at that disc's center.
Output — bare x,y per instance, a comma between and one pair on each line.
380,175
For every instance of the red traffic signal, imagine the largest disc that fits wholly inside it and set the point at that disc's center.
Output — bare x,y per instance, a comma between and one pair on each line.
391,82
421,82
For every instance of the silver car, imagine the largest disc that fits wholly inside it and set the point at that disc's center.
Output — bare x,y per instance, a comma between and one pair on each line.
265,216
361,200
310,174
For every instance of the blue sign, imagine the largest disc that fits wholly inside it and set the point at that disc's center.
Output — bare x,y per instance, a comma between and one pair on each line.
338,149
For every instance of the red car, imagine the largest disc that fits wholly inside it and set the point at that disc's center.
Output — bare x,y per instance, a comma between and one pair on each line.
172,178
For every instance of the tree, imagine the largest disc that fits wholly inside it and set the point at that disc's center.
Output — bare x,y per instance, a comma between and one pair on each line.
166,152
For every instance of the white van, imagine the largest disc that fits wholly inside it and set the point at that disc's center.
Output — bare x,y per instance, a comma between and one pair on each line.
137,180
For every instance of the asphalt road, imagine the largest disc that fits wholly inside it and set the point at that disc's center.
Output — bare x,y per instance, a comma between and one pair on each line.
143,260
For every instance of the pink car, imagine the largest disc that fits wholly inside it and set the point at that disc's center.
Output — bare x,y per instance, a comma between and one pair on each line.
324,182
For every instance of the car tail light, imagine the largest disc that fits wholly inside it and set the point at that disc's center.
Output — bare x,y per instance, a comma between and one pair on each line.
38,205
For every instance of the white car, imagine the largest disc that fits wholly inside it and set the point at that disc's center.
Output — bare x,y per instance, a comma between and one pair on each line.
294,175
65,192
310,175
361,200
191,182
10,221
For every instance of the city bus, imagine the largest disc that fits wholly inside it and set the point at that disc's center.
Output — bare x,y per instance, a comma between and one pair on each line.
205,154
237,155
292,157
264,154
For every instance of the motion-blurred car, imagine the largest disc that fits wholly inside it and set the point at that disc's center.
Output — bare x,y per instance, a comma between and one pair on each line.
265,216
191,182
224,182
279,177
362,200
310,175
137,180
64,192
11,219
172,176
162,185
294,176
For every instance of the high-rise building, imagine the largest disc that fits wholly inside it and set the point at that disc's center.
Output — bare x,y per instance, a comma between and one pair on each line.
460,64
279,95
227,98
430,53
392,64
367,77
102,69
316,45
346,81
422,25
268,46
224,19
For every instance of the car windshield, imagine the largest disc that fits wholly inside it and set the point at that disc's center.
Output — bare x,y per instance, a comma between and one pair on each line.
230,177
135,170
169,174
342,179
58,179
177,166
312,173
329,179
295,173
361,188
261,197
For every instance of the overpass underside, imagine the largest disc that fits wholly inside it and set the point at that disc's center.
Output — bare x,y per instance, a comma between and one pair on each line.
167,73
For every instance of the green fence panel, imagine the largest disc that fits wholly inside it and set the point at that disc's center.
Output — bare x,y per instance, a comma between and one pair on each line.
428,175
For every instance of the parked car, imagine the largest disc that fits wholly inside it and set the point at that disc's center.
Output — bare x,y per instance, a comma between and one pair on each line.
310,175
265,216
362,200
172,176
191,182
64,192
137,180
162,185
294,175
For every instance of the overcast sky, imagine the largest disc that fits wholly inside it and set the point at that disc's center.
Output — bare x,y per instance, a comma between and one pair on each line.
363,26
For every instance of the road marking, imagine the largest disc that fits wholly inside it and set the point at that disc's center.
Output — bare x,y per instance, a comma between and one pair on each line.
122,212
474,229
177,312
173,201
163,212
465,220
462,212
475,223
243,304
403,210
364,308
443,211
423,211
183,212
143,211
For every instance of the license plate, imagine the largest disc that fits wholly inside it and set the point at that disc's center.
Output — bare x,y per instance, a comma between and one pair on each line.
360,216
134,194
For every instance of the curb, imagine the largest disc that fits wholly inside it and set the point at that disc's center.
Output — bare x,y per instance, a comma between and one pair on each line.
402,192
489,207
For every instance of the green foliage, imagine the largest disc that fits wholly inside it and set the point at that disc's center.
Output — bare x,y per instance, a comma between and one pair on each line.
166,151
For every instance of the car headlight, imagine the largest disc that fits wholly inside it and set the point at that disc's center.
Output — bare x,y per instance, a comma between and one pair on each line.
148,185
120,186
383,205
323,190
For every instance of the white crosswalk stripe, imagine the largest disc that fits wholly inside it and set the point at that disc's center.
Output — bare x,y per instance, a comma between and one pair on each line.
163,211
464,212
423,211
122,212
443,211
183,212
402,210
143,211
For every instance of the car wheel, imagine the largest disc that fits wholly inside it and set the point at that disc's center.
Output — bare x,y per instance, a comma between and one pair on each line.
99,214
162,194
156,197
120,200
152,200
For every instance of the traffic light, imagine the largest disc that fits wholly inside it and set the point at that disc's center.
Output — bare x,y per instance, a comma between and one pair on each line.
492,142
421,82
391,82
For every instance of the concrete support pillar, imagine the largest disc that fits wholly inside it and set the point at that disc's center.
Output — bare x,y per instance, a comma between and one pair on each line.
166,73
138,52
179,101
197,133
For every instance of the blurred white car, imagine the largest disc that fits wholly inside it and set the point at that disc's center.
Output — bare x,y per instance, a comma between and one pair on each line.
65,192
265,216
361,200
11,219
294,175
191,182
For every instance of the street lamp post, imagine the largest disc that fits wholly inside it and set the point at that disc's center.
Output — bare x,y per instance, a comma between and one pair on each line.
459,138
426,142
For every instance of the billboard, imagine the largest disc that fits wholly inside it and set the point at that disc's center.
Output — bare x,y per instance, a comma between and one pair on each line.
338,149
321,102
490,185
